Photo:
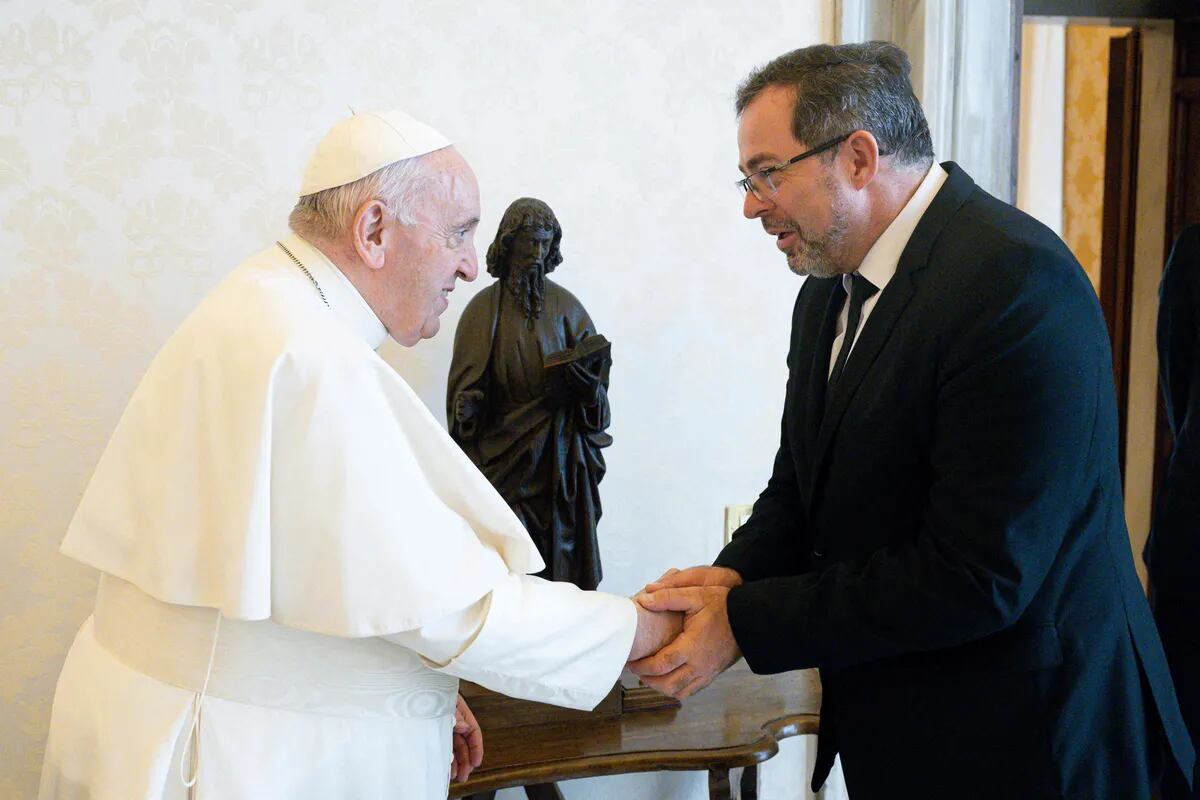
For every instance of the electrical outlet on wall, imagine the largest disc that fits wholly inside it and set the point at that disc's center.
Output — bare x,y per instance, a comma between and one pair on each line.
735,516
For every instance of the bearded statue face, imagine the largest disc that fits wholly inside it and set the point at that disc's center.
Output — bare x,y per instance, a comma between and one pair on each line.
527,268
529,249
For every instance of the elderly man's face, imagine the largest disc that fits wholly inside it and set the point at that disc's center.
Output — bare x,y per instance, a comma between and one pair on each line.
427,258
530,246
808,215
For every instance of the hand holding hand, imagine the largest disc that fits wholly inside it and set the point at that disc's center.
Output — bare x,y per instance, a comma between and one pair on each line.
468,742
703,650
695,576
654,630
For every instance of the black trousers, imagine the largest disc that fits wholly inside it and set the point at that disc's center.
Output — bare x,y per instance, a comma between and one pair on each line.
1178,618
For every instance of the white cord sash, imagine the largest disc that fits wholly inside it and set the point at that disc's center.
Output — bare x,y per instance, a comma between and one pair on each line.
192,745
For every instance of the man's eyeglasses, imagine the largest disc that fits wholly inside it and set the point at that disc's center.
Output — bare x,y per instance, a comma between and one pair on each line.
762,184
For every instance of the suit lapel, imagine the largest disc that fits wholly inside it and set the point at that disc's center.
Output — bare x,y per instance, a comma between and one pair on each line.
892,302
875,333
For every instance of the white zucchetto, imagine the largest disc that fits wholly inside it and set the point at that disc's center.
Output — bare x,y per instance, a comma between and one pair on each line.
364,143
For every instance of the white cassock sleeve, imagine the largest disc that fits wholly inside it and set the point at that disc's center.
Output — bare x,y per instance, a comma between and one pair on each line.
533,639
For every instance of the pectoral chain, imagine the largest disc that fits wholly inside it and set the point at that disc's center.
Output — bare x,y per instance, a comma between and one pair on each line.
304,269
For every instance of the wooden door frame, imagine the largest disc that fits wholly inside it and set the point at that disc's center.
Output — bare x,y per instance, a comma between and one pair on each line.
1120,212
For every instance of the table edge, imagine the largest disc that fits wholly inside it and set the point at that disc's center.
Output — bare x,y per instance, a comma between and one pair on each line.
761,749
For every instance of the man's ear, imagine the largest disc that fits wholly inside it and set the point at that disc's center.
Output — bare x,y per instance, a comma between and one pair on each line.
863,153
368,233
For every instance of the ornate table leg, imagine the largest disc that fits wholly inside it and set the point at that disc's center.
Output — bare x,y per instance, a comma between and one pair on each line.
750,783
718,784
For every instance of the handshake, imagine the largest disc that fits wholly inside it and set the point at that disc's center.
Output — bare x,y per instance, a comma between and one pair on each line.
683,642
683,638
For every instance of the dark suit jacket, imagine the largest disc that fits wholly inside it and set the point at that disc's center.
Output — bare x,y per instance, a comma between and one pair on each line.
1173,551
943,535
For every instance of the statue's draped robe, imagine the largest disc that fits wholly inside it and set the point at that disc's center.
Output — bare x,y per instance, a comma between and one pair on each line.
275,495
543,456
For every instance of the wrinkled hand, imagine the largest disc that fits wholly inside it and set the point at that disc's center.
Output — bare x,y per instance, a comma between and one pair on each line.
468,742
654,630
703,650
695,576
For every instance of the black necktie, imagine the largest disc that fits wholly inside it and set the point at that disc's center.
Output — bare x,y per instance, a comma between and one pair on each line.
860,290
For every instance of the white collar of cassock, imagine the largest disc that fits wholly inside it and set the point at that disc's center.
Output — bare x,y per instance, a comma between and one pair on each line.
347,304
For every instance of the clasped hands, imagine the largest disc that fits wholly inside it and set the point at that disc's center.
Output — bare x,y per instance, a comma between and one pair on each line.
684,639
683,642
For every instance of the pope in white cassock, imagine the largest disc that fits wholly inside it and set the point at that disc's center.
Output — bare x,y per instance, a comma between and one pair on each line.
297,562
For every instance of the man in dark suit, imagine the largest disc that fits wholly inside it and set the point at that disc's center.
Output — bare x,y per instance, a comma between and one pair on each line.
1173,551
943,533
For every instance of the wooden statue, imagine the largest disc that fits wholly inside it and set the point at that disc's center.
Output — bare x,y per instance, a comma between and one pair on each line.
527,397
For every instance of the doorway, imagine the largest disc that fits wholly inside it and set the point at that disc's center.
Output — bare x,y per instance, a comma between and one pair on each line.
1094,126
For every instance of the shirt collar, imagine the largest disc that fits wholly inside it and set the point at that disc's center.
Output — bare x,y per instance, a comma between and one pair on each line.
879,265
347,304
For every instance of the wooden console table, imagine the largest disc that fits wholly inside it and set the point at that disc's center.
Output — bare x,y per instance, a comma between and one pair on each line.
737,721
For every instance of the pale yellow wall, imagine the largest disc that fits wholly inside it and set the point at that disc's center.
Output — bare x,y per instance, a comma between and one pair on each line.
1083,207
1086,96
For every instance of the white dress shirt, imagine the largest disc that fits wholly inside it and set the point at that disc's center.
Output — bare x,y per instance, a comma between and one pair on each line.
879,264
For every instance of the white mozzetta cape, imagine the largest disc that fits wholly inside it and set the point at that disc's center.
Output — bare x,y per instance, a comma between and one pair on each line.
271,465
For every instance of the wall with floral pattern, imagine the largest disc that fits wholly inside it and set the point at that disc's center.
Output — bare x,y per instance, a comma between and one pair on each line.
146,146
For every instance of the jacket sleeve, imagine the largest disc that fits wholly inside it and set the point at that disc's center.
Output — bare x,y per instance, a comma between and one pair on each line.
774,540
1024,409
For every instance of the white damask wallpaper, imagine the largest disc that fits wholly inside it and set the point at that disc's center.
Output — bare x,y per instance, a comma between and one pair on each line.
148,145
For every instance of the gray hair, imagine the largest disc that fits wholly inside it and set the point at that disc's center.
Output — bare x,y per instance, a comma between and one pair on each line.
329,213
848,87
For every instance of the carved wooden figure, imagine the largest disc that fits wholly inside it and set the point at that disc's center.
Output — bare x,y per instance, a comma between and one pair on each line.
527,397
